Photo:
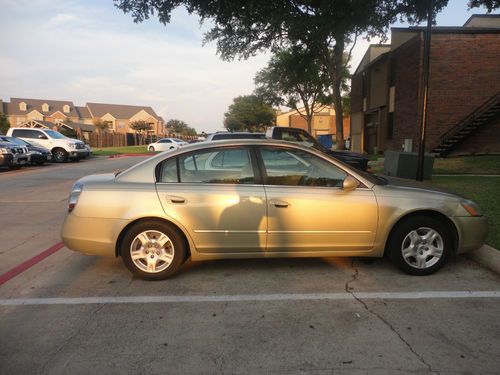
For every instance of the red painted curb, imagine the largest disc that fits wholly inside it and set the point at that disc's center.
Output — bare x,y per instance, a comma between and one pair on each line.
127,155
29,263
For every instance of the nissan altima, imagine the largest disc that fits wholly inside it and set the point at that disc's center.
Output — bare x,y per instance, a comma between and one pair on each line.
259,199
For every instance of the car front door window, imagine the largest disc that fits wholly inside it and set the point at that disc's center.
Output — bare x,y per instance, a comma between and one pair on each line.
299,168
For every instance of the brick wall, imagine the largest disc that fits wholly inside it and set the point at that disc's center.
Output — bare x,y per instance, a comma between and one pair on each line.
485,140
465,72
357,93
406,100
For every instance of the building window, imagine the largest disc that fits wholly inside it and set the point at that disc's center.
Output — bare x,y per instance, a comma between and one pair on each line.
45,107
66,108
22,106
390,125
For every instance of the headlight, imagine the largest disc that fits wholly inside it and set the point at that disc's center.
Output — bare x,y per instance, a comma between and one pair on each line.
472,208
73,196
72,145
36,153
4,151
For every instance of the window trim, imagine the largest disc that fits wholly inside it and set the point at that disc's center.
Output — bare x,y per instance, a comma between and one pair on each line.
284,147
257,170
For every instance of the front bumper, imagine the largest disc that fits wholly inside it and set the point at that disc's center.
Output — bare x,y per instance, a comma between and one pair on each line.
6,159
79,154
20,159
472,232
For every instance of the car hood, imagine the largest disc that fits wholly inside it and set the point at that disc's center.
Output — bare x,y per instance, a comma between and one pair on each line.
402,186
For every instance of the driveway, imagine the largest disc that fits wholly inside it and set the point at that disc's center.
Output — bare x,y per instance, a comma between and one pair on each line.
75,314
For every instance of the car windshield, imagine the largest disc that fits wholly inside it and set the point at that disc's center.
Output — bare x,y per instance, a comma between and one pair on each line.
54,134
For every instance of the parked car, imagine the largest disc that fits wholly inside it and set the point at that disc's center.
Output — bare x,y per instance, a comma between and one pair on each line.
299,136
258,199
38,154
12,155
234,135
61,147
165,144
302,137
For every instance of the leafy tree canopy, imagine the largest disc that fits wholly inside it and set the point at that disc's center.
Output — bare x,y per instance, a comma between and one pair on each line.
180,127
249,113
140,126
4,123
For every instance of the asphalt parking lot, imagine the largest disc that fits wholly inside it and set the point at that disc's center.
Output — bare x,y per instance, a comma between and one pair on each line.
74,314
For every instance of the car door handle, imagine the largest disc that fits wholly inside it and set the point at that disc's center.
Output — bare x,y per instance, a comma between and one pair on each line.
279,203
175,199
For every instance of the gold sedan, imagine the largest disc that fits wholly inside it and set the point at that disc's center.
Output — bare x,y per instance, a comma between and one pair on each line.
261,198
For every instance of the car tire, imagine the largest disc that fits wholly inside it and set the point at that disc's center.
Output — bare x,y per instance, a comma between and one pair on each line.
420,245
60,155
153,250
151,149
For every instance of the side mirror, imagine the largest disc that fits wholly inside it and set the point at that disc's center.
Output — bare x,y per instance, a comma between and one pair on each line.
41,136
350,183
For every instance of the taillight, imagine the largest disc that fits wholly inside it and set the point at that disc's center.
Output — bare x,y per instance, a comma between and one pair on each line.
73,196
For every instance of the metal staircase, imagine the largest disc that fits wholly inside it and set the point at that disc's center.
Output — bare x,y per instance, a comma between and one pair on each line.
469,125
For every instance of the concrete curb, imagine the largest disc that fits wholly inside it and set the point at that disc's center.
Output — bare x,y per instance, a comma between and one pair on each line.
486,256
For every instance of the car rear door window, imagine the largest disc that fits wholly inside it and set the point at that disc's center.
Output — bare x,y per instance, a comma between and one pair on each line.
219,166
293,167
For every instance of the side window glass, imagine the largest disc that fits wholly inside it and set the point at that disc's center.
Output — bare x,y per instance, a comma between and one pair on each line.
298,168
220,166
168,171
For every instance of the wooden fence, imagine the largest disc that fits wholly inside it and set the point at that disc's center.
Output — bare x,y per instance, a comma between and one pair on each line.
105,139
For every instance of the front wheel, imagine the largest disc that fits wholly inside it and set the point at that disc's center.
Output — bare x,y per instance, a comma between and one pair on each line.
153,250
151,149
60,155
420,245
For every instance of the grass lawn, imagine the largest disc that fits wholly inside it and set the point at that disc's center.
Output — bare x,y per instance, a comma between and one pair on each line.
484,164
105,151
485,191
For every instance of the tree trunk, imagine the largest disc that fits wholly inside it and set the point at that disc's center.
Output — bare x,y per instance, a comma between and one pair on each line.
335,66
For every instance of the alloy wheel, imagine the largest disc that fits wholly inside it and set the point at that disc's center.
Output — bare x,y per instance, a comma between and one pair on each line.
152,251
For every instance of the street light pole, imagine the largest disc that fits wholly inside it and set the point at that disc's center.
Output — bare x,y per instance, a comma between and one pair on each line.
424,85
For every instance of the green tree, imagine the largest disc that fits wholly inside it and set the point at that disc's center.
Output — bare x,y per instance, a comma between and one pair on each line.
4,123
101,125
140,126
180,127
295,78
242,28
249,113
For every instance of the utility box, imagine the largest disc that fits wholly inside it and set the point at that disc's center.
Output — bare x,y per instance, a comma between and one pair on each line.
404,164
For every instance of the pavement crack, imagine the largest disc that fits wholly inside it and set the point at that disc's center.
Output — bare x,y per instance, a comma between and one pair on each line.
70,338
349,289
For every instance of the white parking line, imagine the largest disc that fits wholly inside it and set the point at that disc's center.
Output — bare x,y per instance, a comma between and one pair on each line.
250,298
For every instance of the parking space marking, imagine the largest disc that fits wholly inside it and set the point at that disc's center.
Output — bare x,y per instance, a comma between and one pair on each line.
251,298
29,263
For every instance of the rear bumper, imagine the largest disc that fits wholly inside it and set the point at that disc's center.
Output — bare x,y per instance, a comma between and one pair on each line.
94,236
472,232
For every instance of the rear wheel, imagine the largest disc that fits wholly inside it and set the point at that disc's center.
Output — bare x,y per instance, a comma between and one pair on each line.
153,250
60,155
420,245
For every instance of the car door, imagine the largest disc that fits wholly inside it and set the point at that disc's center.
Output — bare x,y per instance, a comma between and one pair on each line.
308,211
163,145
214,193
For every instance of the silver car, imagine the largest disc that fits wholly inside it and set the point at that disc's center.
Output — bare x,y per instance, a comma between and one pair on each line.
258,199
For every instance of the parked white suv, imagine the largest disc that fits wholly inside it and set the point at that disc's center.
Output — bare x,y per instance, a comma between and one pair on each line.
62,147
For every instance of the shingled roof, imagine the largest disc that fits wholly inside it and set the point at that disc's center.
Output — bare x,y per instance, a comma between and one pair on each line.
119,111
36,104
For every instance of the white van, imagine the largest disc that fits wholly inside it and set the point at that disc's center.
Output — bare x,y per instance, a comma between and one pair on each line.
62,147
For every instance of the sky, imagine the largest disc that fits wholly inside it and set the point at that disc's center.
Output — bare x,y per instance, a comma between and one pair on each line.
89,51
